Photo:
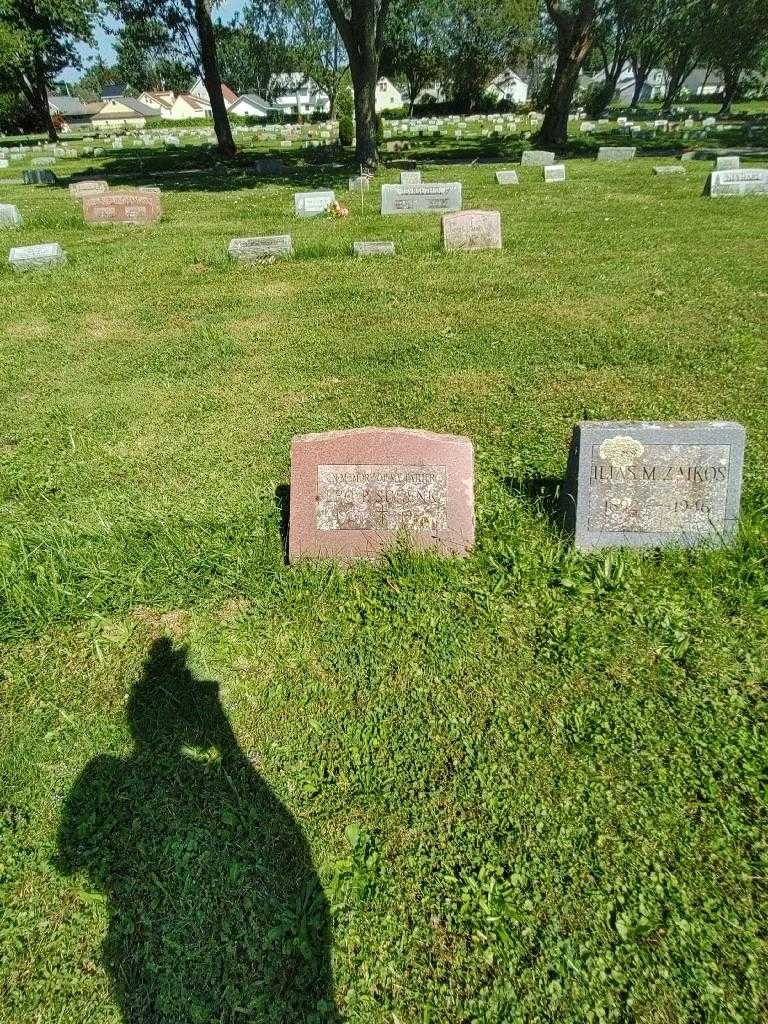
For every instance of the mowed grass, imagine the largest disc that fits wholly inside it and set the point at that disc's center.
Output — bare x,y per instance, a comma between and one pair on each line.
527,786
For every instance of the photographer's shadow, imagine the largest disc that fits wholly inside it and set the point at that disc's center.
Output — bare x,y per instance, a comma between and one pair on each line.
216,911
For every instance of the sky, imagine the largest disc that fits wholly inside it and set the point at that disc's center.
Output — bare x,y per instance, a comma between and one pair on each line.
104,41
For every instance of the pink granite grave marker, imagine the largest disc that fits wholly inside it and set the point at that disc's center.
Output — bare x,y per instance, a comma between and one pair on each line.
122,208
355,493
472,230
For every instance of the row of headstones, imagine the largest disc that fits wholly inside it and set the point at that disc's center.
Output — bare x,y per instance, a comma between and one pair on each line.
355,493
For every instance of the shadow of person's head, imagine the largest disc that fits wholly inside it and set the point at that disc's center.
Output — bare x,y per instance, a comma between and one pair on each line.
169,708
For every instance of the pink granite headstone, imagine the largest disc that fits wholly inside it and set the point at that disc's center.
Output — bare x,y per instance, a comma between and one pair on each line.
472,230
122,208
355,493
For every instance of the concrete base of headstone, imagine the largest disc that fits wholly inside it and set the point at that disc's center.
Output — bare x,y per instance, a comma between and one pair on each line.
647,484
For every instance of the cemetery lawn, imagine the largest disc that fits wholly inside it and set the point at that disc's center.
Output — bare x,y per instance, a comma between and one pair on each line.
532,782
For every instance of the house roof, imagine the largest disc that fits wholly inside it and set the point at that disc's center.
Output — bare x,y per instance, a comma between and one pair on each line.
141,109
193,101
254,100
66,105
163,99
228,94
111,92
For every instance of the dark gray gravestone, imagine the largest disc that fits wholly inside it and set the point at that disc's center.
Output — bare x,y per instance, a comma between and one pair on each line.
39,178
645,484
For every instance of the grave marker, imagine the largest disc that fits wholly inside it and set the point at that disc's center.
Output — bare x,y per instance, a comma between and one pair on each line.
261,249
410,177
373,248
669,169
554,172
33,257
742,182
472,230
354,493
9,216
615,154
440,197
122,208
78,189
728,163
313,204
507,178
646,484
536,158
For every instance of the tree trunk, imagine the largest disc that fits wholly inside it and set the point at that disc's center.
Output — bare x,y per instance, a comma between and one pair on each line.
574,39
678,73
731,86
641,77
364,87
36,94
212,79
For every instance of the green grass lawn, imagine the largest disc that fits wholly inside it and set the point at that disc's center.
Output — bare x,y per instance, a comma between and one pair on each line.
523,787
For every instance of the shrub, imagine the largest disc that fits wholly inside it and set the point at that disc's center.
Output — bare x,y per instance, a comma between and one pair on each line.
346,130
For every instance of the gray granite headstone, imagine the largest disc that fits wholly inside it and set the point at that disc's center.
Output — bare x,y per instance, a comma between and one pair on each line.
410,177
646,484
728,163
261,249
472,230
669,169
43,161
507,178
615,154
536,158
31,257
9,216
438,197
269,165
742,182
373,248
360,183
313,204
554,172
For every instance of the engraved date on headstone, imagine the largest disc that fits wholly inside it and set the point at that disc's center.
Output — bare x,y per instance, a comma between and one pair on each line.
382,498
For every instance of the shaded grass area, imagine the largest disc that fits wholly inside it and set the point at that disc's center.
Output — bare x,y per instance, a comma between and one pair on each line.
527,786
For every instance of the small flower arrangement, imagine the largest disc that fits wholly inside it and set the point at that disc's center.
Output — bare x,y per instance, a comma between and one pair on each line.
337,210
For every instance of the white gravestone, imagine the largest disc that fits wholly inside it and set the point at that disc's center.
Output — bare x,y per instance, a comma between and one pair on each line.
9,216
536,158
741,182
313,204
507,178
31,257
728,163
554,172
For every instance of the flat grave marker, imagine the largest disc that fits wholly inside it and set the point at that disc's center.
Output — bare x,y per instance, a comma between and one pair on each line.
373,248
261,249
616,154
472,230
78,189
35,257
410,177
669,169
647,484
355,493
536,158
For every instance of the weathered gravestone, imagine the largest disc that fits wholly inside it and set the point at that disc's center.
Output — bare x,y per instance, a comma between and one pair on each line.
554,172
669,169
645,484
742,182
122,208
39,178
507,178
536,158
373,248
33,257
410,177
313,204
728,163
360,183
440,197
472,230
261,249
43,161
354,493
79,189
615,154
9,216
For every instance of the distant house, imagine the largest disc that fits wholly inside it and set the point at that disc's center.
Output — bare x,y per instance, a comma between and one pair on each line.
296,93
432,93
199,90
388,96
250,105
124,112
161,102
509,86
72,111
187,106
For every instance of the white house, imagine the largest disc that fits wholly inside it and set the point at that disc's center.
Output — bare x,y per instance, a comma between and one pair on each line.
388,96
122,111
296,93
200,92
186,105
161,102
432,93
509,86
250,105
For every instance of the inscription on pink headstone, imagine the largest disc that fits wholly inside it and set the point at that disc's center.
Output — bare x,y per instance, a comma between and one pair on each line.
472,230
122,208
354,493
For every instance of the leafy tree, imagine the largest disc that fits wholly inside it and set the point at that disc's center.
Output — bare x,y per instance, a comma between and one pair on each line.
317,46
38,40
736,38
575,25
414,47
190,26
482,39
148,57
682,28
254,47
16,115
98,76
361,27
615,25
646,44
